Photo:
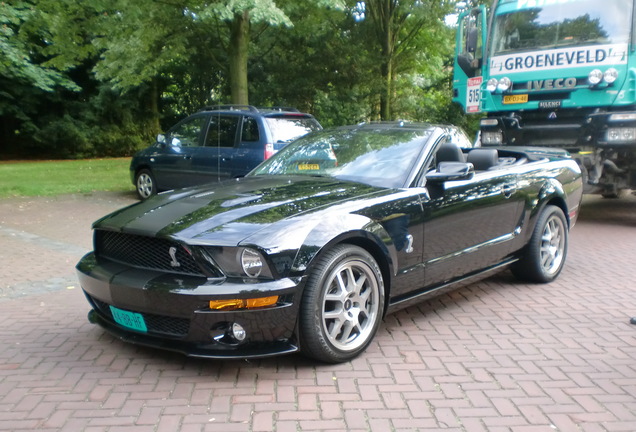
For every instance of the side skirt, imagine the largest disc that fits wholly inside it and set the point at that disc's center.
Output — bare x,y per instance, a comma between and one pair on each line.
422,295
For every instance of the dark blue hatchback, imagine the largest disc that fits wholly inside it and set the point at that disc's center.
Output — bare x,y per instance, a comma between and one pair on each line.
215,144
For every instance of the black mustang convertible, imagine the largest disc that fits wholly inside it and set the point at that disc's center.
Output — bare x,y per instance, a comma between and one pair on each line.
310,250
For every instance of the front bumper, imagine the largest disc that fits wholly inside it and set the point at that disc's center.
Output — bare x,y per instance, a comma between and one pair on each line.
176,314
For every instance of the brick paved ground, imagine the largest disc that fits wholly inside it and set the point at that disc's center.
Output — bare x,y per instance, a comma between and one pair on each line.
495,356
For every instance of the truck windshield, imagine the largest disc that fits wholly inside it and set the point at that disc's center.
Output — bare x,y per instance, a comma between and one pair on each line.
560,24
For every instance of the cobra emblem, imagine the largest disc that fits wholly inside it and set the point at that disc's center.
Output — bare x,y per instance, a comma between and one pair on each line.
173,255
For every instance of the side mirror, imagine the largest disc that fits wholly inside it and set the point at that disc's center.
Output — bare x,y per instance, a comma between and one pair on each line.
471,39
161,139
451,171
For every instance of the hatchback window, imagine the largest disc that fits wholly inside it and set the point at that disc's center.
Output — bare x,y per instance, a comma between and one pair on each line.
187,133
222,131
249,132
288,128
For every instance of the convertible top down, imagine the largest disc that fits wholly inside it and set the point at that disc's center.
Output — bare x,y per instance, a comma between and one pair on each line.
311,249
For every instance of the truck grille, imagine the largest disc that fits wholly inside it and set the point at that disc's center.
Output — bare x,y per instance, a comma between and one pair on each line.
145,252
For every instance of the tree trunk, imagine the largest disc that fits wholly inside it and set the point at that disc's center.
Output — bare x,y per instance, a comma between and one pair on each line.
239,52
387,90
384,21
153,106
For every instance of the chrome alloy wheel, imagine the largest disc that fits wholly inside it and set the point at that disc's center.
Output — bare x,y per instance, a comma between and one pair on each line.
145,185
553,240
350,307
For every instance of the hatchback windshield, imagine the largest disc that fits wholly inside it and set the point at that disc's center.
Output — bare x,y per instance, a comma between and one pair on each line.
378,157
562,24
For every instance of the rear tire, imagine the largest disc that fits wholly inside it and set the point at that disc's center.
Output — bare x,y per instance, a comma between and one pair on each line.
342,305
146,184
544,256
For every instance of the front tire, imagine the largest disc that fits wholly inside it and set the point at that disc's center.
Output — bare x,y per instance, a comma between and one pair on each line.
146,184
545,254
342,305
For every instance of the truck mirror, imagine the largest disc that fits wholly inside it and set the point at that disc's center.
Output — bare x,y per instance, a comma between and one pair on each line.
471,39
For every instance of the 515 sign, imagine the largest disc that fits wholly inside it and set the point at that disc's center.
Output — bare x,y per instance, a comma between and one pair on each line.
473,94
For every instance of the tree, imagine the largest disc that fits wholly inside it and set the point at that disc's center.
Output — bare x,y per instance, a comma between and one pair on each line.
397,26
23,76
320,65
239,16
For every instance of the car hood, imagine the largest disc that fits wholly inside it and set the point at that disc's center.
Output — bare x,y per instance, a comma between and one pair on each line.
225,214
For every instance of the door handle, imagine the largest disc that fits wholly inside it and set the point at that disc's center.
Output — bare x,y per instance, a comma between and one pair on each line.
509,190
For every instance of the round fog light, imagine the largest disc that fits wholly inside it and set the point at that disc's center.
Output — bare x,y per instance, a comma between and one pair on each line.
491,85
595,77
610,75
238,332
504,84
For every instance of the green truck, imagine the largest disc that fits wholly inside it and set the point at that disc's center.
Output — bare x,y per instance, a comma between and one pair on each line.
555,73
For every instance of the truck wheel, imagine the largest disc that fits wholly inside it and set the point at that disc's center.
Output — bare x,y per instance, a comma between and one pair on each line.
544,256
146,184
611,192
342,305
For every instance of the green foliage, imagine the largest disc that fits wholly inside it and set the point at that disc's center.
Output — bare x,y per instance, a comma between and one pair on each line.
84,78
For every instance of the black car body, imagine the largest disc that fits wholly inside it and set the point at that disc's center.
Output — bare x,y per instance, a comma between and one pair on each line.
310,250
215,144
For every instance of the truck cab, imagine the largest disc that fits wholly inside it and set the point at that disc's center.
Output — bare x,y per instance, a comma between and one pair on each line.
555,73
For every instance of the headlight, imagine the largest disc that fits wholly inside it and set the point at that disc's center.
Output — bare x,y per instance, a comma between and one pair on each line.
610,75
491,138
488,122
595,76
504,84
252,262
621,135
240,262
622,117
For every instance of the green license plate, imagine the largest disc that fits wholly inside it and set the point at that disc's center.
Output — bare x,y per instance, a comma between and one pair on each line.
132,320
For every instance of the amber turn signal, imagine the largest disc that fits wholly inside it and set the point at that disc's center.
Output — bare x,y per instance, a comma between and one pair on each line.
235,304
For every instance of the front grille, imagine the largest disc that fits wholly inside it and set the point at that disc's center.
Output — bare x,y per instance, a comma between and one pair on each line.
157,324
145,252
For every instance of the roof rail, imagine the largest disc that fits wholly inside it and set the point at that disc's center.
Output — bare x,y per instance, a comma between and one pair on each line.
230,107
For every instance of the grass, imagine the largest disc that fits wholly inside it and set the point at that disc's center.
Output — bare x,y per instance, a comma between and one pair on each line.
46,178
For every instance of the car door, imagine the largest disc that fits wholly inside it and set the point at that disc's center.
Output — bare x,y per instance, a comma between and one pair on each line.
214,161
172,163
251,146
469,224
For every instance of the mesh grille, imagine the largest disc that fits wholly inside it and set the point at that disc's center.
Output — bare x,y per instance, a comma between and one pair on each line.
158,324
145,252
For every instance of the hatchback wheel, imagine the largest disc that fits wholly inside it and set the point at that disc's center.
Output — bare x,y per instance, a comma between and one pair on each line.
342,305
146,185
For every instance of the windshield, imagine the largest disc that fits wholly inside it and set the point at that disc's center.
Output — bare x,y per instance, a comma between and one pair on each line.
378,157
288,128
561,24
